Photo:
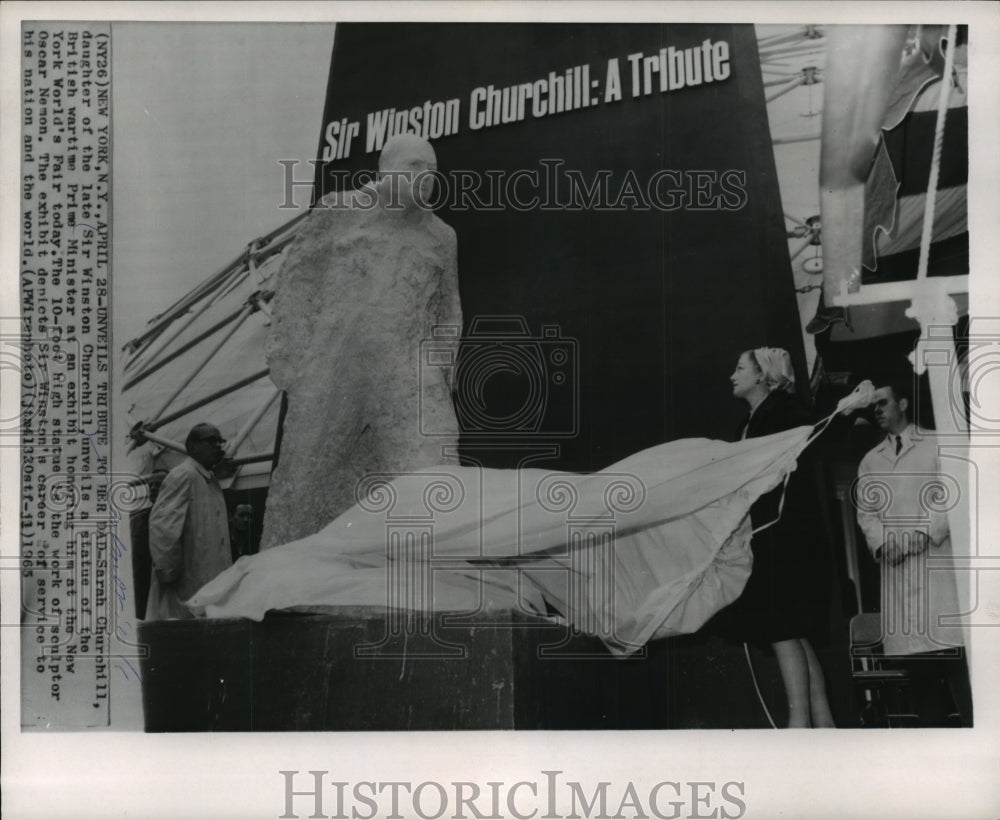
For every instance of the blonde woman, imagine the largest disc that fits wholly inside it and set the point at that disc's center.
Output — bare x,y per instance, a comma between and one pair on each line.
786,599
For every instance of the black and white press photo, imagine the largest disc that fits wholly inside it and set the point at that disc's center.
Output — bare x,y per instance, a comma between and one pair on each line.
500,411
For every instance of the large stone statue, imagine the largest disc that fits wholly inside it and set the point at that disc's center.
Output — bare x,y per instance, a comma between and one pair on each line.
370,276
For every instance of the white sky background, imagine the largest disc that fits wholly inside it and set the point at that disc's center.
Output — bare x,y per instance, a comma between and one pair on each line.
201,115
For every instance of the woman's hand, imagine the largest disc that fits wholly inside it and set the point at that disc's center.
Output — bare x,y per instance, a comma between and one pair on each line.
861,396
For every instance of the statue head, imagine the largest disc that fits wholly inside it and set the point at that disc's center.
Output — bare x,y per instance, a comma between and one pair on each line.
404,161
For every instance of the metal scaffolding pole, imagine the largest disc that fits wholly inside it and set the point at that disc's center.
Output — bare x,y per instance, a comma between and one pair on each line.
205,360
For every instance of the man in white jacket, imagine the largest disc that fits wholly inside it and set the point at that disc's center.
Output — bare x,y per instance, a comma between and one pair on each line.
901,501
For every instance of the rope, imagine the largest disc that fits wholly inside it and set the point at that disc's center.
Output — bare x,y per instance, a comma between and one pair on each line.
932,183
760,696
817,430
781,507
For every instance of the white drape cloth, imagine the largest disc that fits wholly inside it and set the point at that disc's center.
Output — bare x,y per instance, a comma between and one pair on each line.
649,547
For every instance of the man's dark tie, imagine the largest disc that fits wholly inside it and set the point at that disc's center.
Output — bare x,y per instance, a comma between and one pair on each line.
899,444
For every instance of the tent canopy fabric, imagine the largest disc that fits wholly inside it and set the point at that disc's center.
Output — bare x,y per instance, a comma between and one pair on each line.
203,360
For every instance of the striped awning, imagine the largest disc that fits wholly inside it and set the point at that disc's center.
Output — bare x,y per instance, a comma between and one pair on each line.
890,218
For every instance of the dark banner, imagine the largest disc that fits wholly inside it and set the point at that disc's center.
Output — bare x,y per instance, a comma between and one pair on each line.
614,194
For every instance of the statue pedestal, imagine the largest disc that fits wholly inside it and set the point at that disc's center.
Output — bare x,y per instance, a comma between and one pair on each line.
365,669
